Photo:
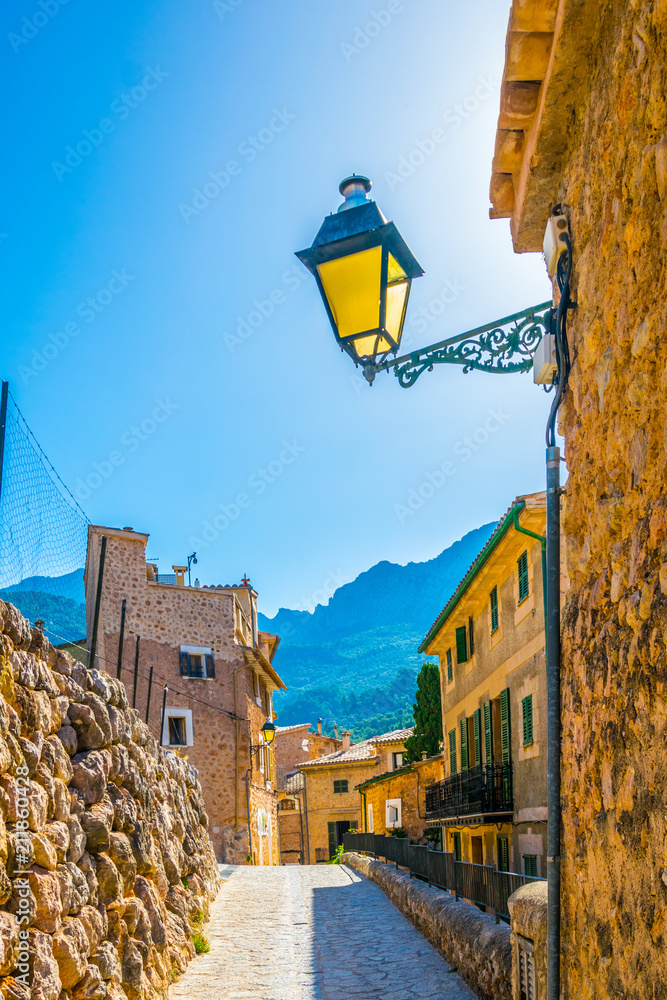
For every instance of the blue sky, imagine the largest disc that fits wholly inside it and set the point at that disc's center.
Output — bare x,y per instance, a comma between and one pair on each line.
168,350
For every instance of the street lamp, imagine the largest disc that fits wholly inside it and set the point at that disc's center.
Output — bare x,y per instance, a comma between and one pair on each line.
364,269
356,257
268,731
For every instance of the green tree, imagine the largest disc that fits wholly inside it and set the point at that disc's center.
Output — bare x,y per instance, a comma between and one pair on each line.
427,735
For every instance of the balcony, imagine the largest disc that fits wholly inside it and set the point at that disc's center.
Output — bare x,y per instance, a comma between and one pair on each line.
485,789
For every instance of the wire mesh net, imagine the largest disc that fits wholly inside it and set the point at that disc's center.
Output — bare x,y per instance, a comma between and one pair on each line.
43,536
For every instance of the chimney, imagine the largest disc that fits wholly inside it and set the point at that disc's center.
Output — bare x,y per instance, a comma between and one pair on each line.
346,739
335,730
424,755
319,727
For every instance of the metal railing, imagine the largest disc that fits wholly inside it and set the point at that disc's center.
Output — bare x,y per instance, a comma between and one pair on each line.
481,884
484,788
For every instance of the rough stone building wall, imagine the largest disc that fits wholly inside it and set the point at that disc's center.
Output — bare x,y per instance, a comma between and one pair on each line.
166,616
598,146
105,857
615,423
288,746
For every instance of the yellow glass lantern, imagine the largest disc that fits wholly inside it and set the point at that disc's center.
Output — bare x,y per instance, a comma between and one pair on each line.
268,731
364,270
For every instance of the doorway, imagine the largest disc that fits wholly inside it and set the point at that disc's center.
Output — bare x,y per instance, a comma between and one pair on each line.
476,850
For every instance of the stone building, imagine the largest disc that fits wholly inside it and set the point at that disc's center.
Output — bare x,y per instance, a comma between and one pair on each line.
396,800
490,642
332,803
583,124
204,645
293,745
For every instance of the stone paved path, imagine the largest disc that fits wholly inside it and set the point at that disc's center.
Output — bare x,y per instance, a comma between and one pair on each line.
319,932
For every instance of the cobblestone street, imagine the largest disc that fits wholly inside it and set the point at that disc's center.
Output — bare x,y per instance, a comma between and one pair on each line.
313,933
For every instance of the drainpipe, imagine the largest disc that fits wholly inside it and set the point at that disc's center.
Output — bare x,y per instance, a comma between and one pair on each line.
363,795
553,723
305,801
237,724
247,802
300,801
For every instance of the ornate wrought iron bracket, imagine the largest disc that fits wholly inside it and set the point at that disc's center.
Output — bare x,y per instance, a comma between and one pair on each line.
503,347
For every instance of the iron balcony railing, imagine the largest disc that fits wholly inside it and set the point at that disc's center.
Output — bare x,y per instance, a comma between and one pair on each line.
484,788
480,884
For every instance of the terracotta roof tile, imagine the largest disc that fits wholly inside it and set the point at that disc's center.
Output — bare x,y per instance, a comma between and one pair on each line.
359,751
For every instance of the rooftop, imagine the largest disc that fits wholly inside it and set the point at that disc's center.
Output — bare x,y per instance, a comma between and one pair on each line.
359,751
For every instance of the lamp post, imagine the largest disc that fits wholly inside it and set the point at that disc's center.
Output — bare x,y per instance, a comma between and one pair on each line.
364,270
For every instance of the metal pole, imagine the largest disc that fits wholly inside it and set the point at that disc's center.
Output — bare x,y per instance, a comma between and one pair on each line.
164,709
553,723
98,598
136,673
120,639
3,426
300,801
305,803
150,685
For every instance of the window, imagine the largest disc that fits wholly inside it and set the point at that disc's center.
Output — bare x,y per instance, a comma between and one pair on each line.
452,751
530,865
471,637
462,644
456,846
527,711
465,761
503,854
177,737
477,734
370,817
177,727
488,732
505,732
450,667
196,661
522,564
287,804
392,813
396,760
493,597
340,786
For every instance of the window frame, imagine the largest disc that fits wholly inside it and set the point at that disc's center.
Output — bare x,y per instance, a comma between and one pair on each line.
530,865
185,655
495,609
450,666
462,644
527,720
503,839
524,581
396,805
183,713
340,782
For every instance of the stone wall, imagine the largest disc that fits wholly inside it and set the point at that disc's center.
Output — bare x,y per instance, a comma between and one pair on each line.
105,858
614,418
471,940
410,788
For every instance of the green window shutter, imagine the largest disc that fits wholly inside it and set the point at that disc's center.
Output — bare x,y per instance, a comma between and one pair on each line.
471,636
503,855
456,837
464,745
477,730
450,667
332,839
505,731
452,751
527,710
530,865
522,564
494,609
488,734
462,644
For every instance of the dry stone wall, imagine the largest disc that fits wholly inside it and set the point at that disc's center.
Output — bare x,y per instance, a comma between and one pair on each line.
105,858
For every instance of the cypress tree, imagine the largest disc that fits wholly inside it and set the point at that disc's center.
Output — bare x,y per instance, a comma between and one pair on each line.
427,714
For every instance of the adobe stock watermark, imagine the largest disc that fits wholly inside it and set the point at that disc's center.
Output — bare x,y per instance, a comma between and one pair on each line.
23,857
453,119
246,326
120,107
248,151
31,26
130,441
464,449
333,580
224,7
378,20
256,484
88,310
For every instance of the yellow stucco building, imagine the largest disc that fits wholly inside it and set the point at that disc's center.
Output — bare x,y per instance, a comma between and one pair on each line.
332,803
396,800
490,641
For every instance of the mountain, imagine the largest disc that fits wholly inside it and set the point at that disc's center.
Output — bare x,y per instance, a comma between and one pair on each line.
354,660
69,585
58,600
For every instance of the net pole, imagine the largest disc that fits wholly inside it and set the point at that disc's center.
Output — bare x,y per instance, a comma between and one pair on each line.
3,427
120,639
136,673
164,709
98,600
148,697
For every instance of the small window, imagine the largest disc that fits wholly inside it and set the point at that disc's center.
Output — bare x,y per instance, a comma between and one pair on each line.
465,759
456,846
462,644
197,667
177,731
397,760
452,752
530,865
392,813
196,661
450,667
340,786
370,818
503,854
527,711
522,564
493,597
